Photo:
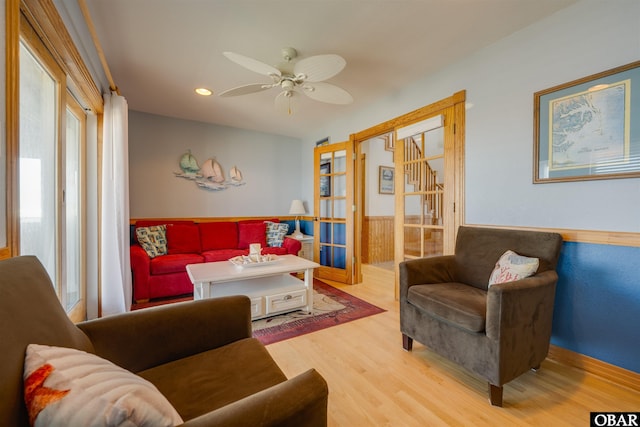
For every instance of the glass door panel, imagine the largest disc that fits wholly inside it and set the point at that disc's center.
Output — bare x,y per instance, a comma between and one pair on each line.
38,161
424,189
50,173
72,207
333,225
73,289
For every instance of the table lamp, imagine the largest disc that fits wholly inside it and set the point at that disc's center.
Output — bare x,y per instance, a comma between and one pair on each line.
297,208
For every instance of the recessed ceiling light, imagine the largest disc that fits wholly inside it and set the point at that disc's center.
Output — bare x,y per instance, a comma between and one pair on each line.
203,91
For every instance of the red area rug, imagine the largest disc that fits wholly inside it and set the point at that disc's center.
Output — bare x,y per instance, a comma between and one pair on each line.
331,307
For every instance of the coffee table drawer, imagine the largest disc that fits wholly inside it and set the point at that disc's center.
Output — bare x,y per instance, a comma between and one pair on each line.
286,301
257,307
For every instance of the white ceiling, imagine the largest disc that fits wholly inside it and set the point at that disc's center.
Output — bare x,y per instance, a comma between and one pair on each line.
158,51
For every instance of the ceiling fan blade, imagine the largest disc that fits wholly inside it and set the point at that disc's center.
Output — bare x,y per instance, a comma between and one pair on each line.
286,101
326,92
253,64
320,67
245,89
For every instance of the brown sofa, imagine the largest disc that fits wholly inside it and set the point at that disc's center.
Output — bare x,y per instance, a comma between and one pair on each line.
497,332
199,354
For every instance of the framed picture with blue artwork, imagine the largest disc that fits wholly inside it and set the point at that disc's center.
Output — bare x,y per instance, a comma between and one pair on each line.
589,128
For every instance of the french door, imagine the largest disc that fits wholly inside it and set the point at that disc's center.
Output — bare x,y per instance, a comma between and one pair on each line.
333,211
51,174
429,166
428,157
424,191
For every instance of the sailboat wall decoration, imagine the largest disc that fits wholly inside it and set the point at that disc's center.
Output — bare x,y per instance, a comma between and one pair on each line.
210,176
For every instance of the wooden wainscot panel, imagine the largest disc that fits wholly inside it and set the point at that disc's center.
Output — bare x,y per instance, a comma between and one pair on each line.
377,239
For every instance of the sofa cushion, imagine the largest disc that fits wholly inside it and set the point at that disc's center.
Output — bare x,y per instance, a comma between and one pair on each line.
252,233
183,239
275,233
153,240
274,250
65,386
225,375
511,267
223,254
218,235
174,263
462,305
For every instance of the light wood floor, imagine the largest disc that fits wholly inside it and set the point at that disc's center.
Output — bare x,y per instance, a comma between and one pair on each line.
374,382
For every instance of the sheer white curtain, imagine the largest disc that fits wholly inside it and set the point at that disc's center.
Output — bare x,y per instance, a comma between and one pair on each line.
115,276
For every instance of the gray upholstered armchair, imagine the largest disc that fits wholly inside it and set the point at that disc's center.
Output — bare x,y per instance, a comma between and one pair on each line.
496,332
198,354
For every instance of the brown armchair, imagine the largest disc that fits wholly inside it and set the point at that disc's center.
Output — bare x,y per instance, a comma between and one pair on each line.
496,332
200,354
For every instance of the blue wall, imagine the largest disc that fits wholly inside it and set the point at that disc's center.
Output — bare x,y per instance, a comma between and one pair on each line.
305,226
597,306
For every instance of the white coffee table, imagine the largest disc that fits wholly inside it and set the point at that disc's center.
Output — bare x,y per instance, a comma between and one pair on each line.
271,287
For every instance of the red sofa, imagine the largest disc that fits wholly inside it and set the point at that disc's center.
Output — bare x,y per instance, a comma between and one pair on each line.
189,242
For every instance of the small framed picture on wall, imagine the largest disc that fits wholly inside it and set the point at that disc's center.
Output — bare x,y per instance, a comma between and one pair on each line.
324,141
386,180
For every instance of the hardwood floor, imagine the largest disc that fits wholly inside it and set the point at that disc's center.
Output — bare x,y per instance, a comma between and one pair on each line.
374,382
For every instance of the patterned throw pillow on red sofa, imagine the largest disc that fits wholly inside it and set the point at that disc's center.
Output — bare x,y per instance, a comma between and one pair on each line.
275,233
153,240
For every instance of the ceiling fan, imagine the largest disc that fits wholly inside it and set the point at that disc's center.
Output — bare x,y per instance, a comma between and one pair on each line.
307,75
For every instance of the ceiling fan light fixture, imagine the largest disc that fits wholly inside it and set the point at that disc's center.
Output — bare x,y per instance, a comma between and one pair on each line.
203,91
308,74
287,84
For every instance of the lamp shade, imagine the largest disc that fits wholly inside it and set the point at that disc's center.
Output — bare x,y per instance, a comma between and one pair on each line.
297,208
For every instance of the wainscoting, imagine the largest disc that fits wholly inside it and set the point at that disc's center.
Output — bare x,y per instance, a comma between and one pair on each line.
377,239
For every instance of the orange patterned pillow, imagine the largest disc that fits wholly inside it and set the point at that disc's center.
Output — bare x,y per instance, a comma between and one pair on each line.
65,386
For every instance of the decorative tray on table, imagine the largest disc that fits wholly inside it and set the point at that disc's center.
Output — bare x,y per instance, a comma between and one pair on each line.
254,260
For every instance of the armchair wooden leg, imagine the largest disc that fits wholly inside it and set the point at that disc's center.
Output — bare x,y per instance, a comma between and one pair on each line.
495,395
407,342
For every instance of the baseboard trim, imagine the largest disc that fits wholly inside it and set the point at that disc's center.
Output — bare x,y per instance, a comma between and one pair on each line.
616,374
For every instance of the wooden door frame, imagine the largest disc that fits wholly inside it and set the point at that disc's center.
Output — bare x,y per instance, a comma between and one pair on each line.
457,101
